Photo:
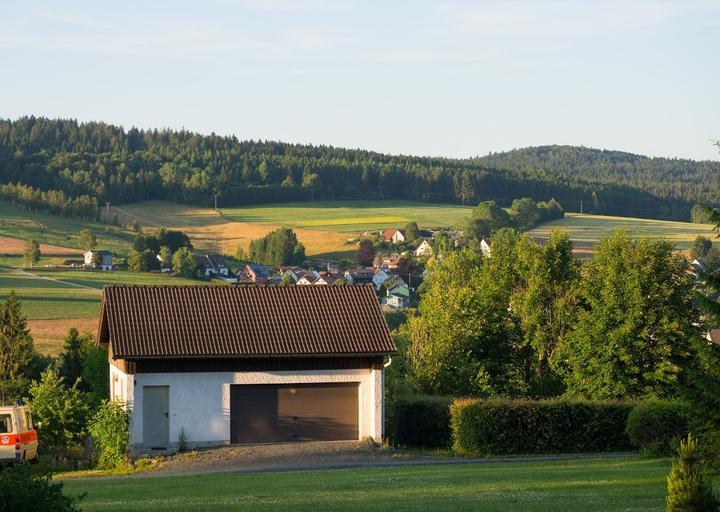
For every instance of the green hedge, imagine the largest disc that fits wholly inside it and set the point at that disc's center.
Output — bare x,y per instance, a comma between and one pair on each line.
657,427
500,426
422,421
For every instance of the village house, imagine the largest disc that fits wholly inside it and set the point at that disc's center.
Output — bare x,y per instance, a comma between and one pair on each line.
362,275
424,249
395,236
485,248
183,370
381,275
308,277
253,274
103,260
213,265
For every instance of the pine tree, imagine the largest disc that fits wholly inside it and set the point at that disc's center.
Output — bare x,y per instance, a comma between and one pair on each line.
72,358
16,350
689,490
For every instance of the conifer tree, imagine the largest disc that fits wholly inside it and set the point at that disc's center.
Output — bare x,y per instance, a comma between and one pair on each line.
689,490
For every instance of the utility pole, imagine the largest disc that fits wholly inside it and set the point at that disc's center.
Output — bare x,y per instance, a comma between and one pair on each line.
216,202
581,205
107,210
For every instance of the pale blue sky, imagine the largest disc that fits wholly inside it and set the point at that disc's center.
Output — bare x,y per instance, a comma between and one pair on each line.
426,78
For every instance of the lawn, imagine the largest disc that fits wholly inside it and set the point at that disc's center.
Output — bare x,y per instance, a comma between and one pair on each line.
586,230
351,216
632,484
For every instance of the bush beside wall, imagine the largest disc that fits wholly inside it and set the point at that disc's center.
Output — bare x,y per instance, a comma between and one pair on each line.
421,421
657,427
501,426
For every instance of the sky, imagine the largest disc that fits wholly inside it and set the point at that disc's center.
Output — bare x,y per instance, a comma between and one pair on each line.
454,79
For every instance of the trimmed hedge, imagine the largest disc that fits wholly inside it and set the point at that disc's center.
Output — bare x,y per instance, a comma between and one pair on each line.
422,421
501,426
657,427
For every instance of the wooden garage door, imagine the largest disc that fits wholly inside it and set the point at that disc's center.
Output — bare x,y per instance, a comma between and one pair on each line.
293,412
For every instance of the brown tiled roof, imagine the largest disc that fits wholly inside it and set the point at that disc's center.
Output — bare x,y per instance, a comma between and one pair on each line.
258,321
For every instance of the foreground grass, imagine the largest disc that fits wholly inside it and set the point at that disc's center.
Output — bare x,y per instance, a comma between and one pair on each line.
627,484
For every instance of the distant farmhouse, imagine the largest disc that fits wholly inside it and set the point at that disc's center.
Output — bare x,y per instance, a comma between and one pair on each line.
224,365
395,236
98,259
213,265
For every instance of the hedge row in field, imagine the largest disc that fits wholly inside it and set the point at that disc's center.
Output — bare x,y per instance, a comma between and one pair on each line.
421,421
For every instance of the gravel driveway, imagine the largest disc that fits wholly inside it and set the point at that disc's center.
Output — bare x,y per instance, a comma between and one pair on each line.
281,456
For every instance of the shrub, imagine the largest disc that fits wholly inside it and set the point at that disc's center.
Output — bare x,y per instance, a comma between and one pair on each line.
62,411
109,430
23,490
501,426
420,421
689,490
656,427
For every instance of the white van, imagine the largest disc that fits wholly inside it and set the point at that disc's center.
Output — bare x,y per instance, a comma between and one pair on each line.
18,438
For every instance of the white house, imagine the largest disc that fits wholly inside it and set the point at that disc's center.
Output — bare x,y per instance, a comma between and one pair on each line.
424,249
485,248
105,259
180,366
381,275
395,236
213,265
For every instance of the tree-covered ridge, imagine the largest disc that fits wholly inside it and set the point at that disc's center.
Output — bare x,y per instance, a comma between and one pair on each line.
676,178
73,168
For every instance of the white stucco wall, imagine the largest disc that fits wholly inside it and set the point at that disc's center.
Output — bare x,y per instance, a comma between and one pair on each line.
199,402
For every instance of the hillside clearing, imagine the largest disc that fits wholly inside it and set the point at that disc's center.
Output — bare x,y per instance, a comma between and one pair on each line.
587,230
610,485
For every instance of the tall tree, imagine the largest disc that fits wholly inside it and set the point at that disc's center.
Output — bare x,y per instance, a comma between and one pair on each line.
87,239
185,263
16,350
72,358
31,253
366,252
636,322
280,247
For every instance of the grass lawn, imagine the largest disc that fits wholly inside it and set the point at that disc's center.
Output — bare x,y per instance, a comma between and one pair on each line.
632,484
586,230
351,216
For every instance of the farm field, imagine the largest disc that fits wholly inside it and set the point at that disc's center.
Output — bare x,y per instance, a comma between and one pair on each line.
59,232
587,230
351,216
610,485
55,301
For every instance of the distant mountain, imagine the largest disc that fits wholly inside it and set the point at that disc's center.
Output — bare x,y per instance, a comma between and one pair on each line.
71,168
666,178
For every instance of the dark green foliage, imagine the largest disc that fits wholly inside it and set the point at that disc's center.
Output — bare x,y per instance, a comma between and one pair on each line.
24,490
31,253
701,247
62,411
689,489
142,261
69,168
96,376
366,252
422,421
412,232
656,427
72,358
109,430
500,426
631,338
701,214
17,353
184,263
280,247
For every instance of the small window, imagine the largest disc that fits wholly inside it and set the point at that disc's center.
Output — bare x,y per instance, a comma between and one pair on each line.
28,420
5,424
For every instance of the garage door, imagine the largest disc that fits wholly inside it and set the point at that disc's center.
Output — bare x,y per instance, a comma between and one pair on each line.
293,412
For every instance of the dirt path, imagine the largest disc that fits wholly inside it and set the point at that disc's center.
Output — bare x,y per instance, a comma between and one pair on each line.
25,273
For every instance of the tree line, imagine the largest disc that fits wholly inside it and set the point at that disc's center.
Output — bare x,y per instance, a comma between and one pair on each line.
71,168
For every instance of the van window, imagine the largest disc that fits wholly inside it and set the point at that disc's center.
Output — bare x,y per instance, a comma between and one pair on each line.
5,424
28,420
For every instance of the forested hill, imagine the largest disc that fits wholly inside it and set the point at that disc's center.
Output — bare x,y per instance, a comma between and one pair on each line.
683,179
71,168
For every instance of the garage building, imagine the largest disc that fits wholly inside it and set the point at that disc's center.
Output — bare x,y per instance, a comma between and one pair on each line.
225,364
